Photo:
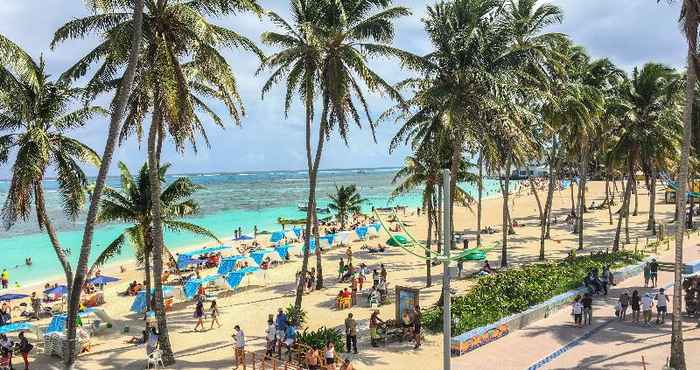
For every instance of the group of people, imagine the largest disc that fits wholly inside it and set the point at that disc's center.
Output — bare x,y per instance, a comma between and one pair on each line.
644,304
200,315
8,348
325,358
599,283
281,333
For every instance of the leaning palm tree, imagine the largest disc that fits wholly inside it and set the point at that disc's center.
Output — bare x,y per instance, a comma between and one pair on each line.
131,204
118,107
345,202
180,67
325,52
35,122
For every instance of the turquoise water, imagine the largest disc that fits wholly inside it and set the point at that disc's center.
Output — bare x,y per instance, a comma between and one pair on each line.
230,200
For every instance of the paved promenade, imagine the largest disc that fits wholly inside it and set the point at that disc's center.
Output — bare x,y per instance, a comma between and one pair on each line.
555,343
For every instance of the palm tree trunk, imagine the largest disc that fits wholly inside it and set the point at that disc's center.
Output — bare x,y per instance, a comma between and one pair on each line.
319,265
677,360
625,203
506,222
610,203
51,231
428,275
636,197
121,100
607,190
573,202
553,171
454,169
480,190
148,242
582,198
651,224
157,235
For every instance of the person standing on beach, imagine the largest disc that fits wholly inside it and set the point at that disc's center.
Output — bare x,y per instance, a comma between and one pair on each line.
350,334
577,311
270,338
647,304
624,304
348,254
36,306
341,268
417,317
5,278
661,306
6,345
24,348
635,300
587,302
238,346
214,314
647,274
199,315
653,271
383,273
329,355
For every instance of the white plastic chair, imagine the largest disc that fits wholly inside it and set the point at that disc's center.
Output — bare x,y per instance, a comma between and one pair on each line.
154,358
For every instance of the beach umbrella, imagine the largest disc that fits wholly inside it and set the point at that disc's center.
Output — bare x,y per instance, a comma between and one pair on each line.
397,240
101,280
12,296
59,290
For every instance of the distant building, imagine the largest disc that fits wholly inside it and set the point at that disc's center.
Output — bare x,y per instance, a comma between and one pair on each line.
531,170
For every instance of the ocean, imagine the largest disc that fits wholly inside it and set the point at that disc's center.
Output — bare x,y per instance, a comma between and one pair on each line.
229,201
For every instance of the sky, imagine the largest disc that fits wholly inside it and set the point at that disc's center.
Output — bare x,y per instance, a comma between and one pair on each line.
629,32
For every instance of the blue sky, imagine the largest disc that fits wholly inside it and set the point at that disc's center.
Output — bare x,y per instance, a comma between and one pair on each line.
630,32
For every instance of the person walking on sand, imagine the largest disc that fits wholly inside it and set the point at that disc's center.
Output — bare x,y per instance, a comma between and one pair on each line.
647,274
417,317
24,348
214,309
341,268
635,300
587,302
647,304
350,334
199,315
238,346
5,278
624,302
661,306
577,311
653,271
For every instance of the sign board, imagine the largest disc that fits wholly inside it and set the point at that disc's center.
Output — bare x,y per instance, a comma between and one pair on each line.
406,298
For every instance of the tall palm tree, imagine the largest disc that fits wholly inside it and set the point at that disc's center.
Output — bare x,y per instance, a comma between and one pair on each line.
117,114
345,202
35,122
131,204
326,51
179,68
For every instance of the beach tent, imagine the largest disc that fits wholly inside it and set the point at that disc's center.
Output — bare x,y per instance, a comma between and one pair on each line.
228,264
243,238
185,259
234,279
298,250
283,251
102,280
372,232
297,230
190,288
12,296
361,232
139,304
58,322
276,236
57,291
397,240
326,241
472,255
376,226
342,237
290,235
261,255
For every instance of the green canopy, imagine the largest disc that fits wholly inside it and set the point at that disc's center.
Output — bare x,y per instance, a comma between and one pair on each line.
472,255
397,241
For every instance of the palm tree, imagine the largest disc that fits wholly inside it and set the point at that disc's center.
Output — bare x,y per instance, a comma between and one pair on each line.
117,114
131,204
345,202
179,67
35,122
325,52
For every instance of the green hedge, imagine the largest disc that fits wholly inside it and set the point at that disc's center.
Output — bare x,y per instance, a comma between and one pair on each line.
320,337
497,296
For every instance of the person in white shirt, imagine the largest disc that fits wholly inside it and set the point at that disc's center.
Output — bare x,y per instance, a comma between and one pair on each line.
647,304
270,337
577,311
238,346
661,306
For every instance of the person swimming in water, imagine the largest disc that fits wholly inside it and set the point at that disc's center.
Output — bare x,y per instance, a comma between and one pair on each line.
28,261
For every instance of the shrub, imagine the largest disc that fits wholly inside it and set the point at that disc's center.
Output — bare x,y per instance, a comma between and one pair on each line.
512,291
320,337
296,316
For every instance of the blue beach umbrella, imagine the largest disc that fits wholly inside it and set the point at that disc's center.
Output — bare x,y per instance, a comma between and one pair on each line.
243,237
101,280
59,290
12,296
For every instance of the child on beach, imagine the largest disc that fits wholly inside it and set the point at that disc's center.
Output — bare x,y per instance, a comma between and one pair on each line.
214,314
329,356
577,311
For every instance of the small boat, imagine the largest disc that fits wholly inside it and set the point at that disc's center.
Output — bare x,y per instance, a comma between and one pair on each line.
305,207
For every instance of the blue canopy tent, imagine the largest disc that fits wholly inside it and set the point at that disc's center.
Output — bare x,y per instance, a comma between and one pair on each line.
190,288
361,232
297,230
259,255
376,226
57,291
243,238
102,280
139,304
17,326
58,322
235,278
185,259
228,264
12,296
283,251
276,236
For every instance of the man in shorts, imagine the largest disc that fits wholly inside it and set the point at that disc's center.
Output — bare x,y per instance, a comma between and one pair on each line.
238,346
653,271
647,304
661,306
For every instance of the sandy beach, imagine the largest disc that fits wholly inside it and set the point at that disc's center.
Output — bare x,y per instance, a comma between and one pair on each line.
251,306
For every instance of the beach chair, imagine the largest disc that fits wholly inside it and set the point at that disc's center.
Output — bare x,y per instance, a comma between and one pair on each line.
154,358
344,302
